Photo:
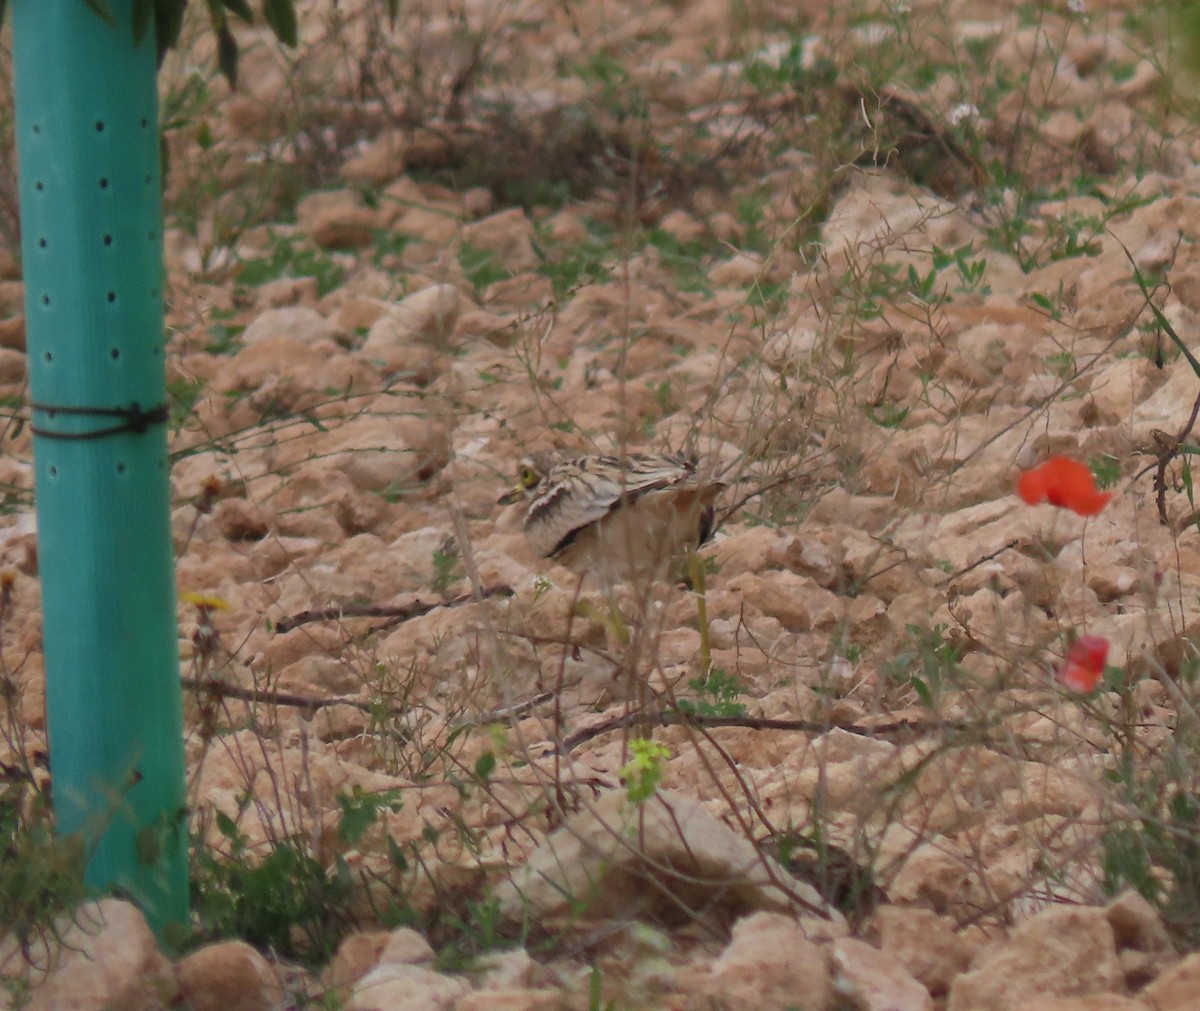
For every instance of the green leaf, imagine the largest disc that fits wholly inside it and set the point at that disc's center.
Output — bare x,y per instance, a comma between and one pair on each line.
923,692
393,9
168,23
485,766
227,826
103,11
227,54
281,16
143,13
355,821
1162,321
241,8
396,854
3,7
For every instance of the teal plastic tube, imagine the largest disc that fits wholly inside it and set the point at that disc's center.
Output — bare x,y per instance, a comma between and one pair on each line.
91,243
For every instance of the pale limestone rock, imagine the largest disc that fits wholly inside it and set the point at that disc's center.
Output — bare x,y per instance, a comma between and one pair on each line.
681,225
298,323
611,859
287,291
280,363
994,345
933,875
739,271
508,236
514,999
1063,951
12,366
796,601
1093,1002
108,958
1169,403
401,987
770,963
404,946
478,202
428,147
857,512
319,675
881,210
412,553
337,219
427,316
924,943
1119,386
1112,582
12,333
1137,924
379,161
237,519
566,226
520,293
750,549
436,226
476,324
355,313
12,298
376,451
873,980
1175,989
229,976
318,486
507,970
839,763
792,346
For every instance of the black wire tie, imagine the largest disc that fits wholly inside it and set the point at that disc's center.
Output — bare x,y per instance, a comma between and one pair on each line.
133,419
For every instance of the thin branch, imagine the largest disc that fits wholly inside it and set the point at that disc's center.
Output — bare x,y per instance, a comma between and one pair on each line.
676,717
311,704
395,612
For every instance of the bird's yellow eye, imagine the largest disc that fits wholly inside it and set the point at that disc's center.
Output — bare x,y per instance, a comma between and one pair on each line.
528,477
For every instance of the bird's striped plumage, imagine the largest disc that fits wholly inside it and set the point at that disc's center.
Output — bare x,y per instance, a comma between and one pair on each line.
636,511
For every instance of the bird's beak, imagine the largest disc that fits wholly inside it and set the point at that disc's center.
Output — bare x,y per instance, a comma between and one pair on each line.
514,494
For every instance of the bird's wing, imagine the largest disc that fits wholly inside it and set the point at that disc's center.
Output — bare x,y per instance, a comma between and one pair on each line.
583,491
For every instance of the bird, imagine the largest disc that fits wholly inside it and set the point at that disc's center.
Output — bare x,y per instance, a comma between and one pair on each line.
618,515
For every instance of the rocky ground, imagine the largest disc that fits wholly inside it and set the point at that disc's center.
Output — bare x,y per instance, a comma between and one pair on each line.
869,267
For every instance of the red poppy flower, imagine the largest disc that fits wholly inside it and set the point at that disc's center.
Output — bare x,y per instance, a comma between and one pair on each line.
1083,666
1064,482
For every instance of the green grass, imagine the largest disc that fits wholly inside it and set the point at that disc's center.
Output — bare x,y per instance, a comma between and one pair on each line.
288,259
